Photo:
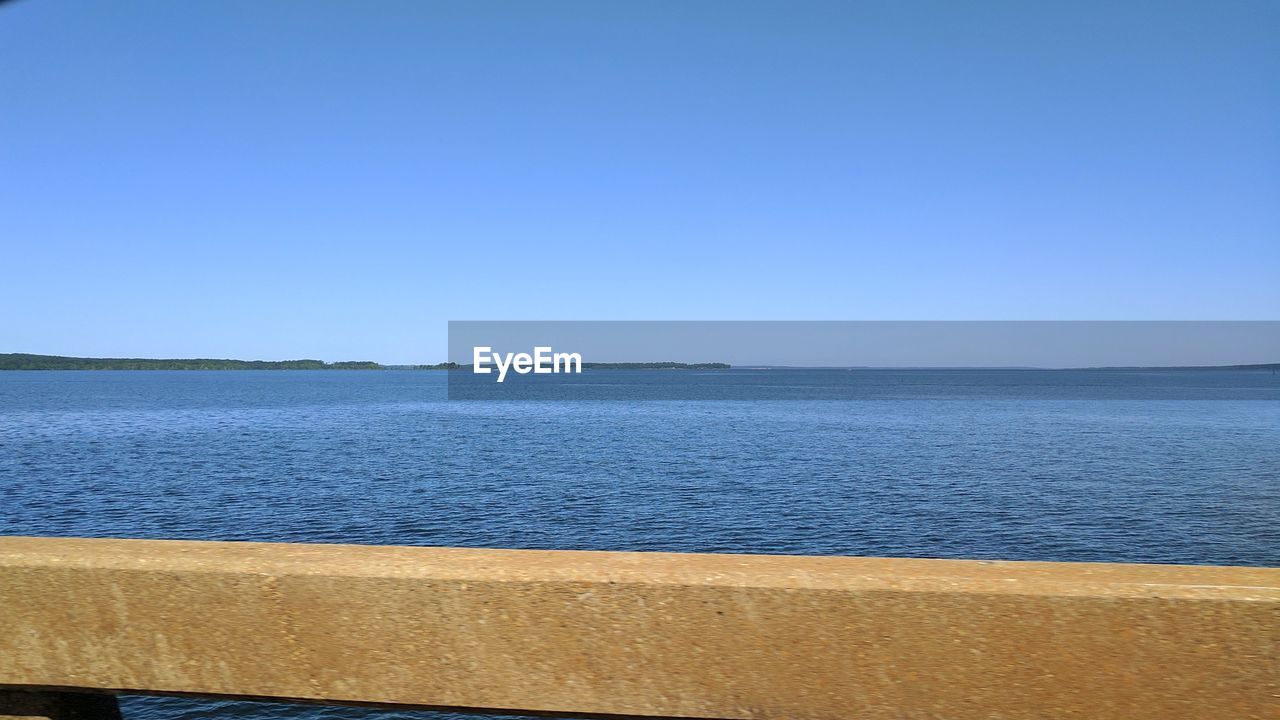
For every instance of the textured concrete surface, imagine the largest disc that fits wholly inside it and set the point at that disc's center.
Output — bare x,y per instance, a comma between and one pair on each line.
647,634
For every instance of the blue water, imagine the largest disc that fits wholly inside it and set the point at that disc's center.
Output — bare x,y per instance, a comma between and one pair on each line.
977,464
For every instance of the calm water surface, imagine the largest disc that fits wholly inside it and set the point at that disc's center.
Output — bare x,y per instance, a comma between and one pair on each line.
915,463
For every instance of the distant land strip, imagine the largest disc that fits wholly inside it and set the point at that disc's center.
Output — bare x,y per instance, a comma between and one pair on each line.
26,361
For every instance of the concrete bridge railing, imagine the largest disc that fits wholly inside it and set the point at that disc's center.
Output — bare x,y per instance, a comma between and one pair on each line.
631,634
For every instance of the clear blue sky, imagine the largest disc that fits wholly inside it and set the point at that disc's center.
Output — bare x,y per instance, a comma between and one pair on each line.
336,180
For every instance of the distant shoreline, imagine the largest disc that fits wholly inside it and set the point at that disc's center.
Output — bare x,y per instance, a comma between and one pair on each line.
26,361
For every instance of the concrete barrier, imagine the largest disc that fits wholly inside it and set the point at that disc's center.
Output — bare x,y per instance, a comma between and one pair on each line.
640,634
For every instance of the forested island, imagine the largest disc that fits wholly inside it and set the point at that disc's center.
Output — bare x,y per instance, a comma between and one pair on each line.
26,361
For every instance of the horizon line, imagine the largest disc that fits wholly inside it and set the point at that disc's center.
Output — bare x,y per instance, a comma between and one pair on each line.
598,365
